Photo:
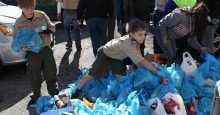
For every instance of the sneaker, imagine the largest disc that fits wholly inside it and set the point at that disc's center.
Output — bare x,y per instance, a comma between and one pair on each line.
68,46
31,102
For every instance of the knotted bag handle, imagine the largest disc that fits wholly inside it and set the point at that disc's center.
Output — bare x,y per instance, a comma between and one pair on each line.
186,54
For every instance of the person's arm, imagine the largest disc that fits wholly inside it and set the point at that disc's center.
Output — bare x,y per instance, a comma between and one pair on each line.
147,64
193,42
50,25
47,31
16,28
166,23
135,55
59,7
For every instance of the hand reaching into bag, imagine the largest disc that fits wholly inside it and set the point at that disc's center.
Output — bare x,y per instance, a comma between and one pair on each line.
163,76
25,49
205,49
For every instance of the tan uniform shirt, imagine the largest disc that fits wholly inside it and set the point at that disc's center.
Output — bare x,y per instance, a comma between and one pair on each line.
123,47
40,18
69,4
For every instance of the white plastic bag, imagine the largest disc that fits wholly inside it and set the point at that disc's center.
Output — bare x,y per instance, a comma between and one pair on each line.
180,110
159,108
188,65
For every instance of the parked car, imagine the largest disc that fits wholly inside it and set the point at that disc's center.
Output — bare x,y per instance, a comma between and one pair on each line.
8,16
48,6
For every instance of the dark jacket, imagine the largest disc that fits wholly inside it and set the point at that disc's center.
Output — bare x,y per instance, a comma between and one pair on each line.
214,8
95,9
143,8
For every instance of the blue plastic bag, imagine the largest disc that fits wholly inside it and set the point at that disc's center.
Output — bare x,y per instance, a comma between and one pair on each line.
144,78
144,108
104,108
81,109
113,88
198,79
176,76
93,94
130,106
133,103
188,91
212,59
72,87
125,89
88,86
205,105
208,88
162,89
28,38
44,104
137,104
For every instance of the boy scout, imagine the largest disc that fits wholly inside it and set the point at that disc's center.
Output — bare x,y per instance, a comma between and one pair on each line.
41,63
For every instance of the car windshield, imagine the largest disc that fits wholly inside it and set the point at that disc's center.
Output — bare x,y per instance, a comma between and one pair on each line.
2,4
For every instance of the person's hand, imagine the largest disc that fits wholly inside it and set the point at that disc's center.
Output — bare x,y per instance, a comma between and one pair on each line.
163,76
166,41
205,49
79,22
37,30
165,80
24,48
58,16
40,28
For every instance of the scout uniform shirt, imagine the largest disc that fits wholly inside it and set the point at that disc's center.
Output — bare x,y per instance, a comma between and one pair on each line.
123,47
69,4
39,19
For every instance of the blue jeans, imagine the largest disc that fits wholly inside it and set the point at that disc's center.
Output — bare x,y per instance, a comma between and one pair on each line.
71,28
98,32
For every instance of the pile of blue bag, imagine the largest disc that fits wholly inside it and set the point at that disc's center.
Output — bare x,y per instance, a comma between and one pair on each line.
130,94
